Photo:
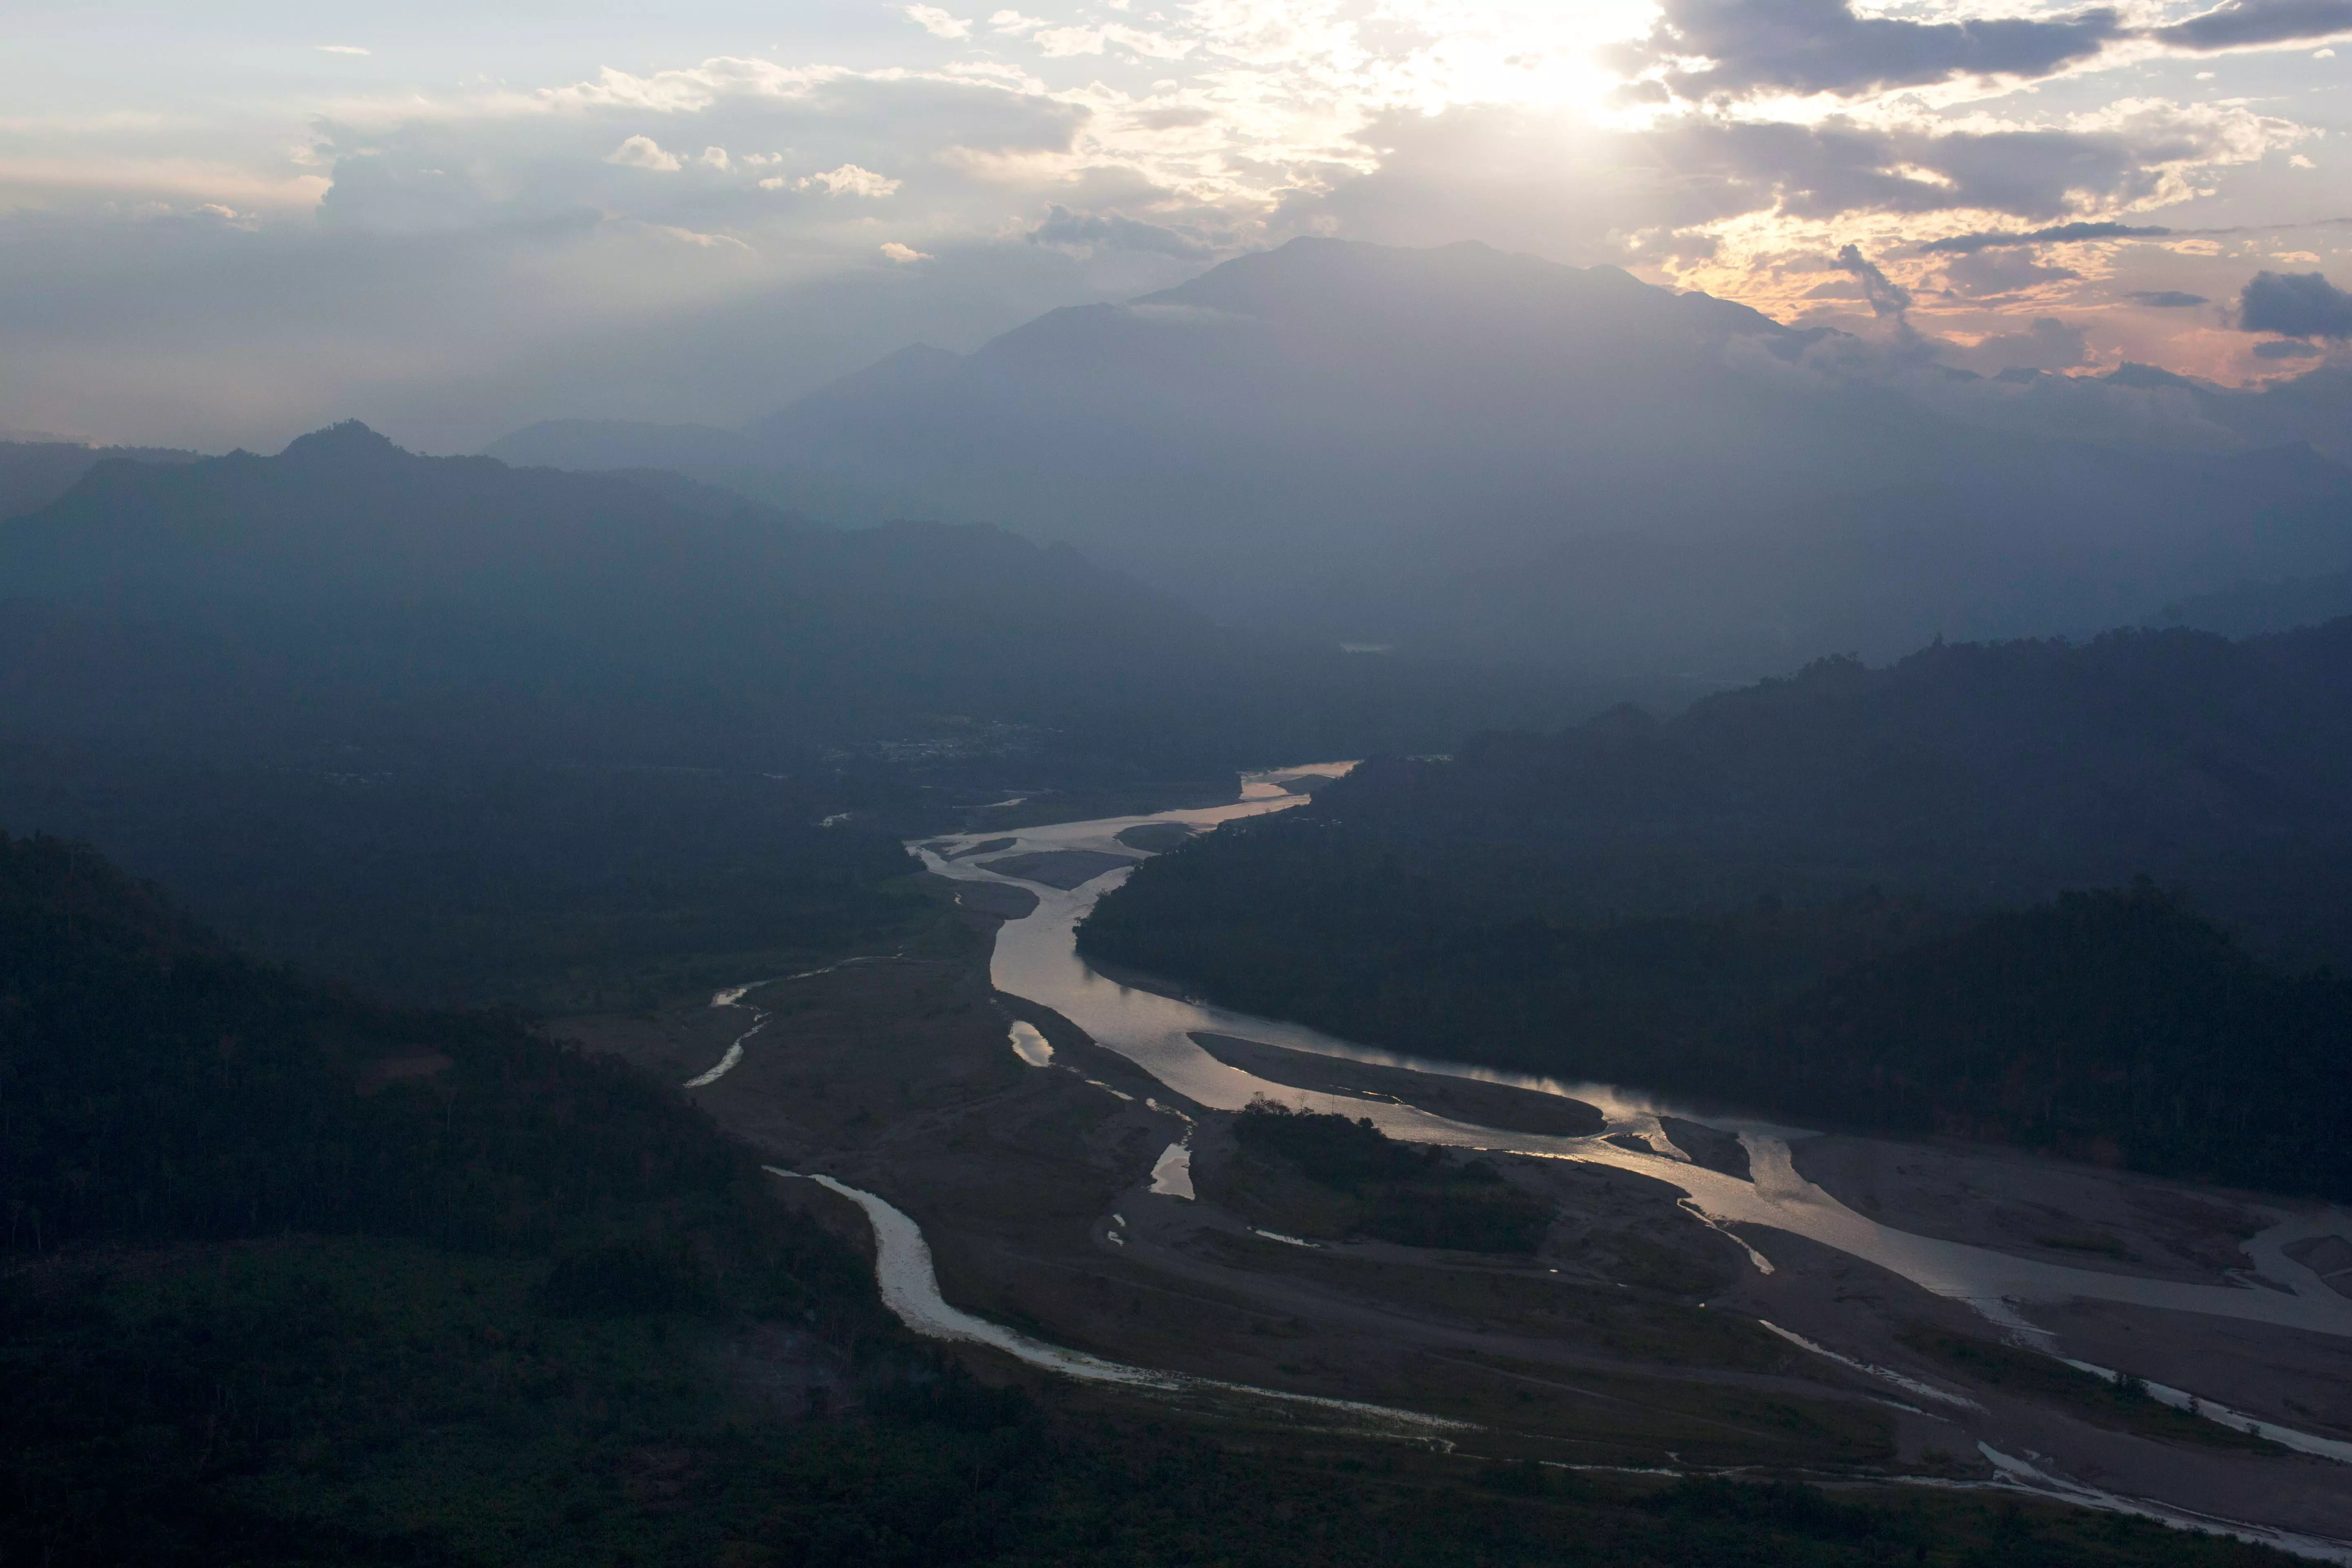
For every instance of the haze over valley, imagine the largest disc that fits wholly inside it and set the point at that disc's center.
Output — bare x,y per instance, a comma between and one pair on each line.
1268,784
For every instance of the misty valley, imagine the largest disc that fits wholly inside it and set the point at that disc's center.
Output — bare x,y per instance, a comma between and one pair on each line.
1392,904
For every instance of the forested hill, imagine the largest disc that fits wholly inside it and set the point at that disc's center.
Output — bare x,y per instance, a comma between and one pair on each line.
348,591
35,473
1969,775
459,730
2114,1027
1803,897
156,1085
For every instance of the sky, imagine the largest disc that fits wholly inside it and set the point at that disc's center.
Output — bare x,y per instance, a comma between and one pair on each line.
224,225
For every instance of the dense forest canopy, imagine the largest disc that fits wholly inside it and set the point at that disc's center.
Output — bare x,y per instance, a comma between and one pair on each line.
155,1084
1842,898
1971,773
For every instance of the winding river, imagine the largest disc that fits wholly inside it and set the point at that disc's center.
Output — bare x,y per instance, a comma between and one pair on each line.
1037,958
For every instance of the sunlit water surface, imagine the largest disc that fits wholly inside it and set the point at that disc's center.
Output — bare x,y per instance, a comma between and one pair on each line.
1037,958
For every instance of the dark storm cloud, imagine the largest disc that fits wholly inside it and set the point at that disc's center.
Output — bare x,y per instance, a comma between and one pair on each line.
2253,24
1519,180
2056,234
1841,166
2166,299
1751,46
1725,50
1986,273
1109,231
2295,305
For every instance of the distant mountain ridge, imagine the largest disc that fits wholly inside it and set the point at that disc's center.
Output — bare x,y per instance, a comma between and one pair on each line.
1967,773
346,587
1461,450
2091,899
461,729
35,473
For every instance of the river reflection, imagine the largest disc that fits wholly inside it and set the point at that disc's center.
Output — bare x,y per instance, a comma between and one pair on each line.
1037,958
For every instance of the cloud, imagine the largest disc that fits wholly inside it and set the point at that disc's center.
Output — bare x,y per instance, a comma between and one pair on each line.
1732,49
904,253
1727,51
2295,305
849,180
643,153
2166,299
2048,344
1150,143
2257,23
2285,348
2135,151
938,24
1990,273
1110,231
1886,297
340,49
2054,234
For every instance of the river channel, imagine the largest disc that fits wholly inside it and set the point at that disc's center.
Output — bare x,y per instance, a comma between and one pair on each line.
1036,959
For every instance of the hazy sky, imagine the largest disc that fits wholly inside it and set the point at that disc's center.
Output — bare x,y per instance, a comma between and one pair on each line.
226,224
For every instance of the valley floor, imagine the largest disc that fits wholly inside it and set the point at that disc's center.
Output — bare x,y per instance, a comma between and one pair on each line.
1634,1336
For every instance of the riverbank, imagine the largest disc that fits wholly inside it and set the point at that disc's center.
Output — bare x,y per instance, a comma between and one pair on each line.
1818,1250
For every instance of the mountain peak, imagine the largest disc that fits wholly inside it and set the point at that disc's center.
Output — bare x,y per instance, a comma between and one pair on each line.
2131,373
343,442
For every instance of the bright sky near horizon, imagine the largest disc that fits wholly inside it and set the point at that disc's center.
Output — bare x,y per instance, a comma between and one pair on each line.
227,224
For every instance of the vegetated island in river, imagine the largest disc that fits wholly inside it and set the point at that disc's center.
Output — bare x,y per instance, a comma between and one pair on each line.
1502,1106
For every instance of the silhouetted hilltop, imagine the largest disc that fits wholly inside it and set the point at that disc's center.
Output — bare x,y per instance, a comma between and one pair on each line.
1791,898
725,458
1321,407
1463,451
2116,1026
1804,897
2249,609
462,730
1967,773
161,1086
346,591
35,473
